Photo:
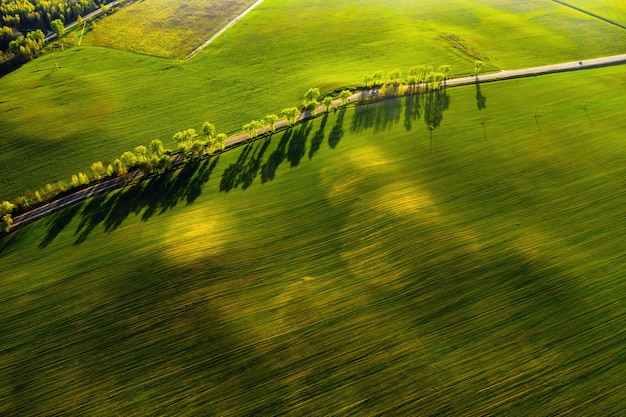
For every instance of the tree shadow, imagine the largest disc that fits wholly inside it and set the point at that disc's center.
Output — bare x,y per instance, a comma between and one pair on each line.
148,197
481,100
268,170
247,167
378,116
318,137
59,221
435,103
297,144
336,132
412,110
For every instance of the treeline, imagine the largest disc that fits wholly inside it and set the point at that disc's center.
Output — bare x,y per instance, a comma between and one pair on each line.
193,145
25,23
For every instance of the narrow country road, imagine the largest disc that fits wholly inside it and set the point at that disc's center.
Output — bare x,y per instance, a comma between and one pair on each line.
224,29
85,17
233,140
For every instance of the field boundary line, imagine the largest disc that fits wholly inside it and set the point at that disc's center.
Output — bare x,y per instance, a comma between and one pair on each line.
224,29
604,19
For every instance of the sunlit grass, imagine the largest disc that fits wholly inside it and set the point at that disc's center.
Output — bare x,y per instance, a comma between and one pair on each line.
166,28
367,277
102,102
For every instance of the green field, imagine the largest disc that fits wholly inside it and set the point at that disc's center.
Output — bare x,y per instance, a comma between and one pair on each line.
102,101
166,28
344,269
614,10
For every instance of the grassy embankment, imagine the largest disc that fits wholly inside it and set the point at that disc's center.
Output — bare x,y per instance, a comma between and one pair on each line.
368,278
102,102
166,28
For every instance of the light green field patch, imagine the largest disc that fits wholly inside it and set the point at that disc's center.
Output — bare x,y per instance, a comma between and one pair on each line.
614,10
166,28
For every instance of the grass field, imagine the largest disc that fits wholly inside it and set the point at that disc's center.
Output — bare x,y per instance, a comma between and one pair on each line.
102,102
166,28
344,270
614,10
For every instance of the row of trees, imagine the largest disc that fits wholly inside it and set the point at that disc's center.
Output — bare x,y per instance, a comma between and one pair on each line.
24,24
290,114
418,75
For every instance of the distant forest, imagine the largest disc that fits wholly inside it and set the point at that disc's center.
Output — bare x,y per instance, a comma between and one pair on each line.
25,23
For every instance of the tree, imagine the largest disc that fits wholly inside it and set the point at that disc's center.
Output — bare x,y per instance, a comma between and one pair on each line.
6,207
98,170
328,102
208,130
271,120
377,77
128,159
344,96
185,139
7,221
394,76
252,128
312,94
445,70
83,179
119,168
291,114
156,147
367,81
477,67
57,26
220,141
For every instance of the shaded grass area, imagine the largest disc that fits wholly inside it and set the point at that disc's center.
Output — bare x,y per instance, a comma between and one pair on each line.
102,102
362,274
166,28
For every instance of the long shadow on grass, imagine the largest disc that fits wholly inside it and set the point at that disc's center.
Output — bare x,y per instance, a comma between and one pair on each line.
59,221
146,198
382,115
252,161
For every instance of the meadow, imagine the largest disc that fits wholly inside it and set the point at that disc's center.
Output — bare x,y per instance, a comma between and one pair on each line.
614,10
166,28
61,112
343,268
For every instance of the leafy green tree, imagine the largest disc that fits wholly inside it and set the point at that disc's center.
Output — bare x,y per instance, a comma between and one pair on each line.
394,76
98,170
344,96
57,26
220,141
291,114
327,102
83,179
271,120
6,207
377,77
312,94
445,70
208,130
7,222
128,159
119,168
367,81
478,65
156,147
74,182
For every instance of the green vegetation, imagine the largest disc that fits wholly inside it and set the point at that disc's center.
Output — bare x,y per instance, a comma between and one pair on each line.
21,19
614,10
344,269
65,110
166,28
